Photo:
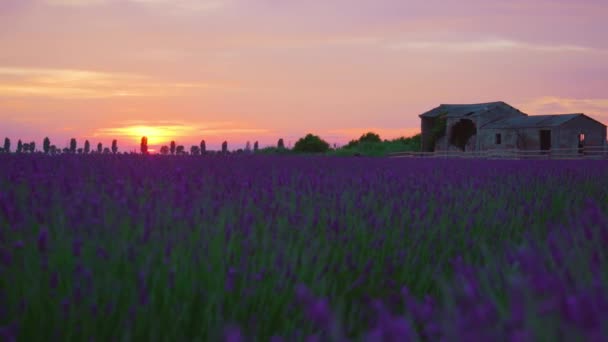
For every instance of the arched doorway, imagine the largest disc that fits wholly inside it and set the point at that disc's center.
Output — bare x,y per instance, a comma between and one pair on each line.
461,132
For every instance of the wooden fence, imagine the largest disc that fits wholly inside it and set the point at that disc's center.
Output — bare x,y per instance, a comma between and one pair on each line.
595,152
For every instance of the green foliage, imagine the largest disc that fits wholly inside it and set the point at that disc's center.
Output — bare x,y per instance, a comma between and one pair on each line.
311,144
272,150
439,129
370,137
368,145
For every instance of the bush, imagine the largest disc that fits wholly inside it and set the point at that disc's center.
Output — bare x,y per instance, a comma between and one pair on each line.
311,144
367,138
370,137
370,145
273,150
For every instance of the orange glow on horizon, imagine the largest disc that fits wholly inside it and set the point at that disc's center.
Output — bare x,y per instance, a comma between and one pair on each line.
156,135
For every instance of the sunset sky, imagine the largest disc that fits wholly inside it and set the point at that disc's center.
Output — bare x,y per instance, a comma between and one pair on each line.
240,70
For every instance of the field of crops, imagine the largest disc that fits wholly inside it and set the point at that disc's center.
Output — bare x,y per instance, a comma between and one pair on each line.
290,248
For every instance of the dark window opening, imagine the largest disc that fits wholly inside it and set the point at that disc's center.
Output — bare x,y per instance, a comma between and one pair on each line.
498,139
545,139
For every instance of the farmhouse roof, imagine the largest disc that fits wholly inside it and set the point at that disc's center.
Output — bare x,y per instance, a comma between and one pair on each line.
535,121
468,110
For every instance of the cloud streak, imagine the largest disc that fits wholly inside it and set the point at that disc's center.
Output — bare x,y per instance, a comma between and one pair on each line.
556,105
174,6
86,84
489,45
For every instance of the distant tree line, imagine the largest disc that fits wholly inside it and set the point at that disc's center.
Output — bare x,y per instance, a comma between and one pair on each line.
369,144
48,148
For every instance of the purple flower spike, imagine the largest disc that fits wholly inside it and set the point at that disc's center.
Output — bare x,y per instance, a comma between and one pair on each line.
5,257
399,329
319,313
303,294
520,336
54,281
43,240
375,335
77,247
313,338
65,306
233,334
102,253
9,333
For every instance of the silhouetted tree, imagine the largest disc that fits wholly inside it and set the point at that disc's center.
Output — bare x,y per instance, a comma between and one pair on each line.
66,150
180,150
87,147
164,150
106,150
311,143
248,147
80,150
72,145
114,146
46,145
53,149
194,150
225,147
281,144
143,148
99,148
370,137
19,146
7,145
203,147
256,146
172,147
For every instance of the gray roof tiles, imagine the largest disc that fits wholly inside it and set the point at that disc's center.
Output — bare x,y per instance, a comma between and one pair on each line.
533,121
463,110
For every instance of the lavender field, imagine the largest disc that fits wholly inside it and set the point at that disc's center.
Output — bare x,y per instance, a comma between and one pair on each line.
290,248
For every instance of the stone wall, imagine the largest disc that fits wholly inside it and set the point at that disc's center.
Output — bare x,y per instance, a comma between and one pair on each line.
595,133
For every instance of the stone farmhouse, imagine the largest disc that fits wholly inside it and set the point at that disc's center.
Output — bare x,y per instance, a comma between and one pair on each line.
496,125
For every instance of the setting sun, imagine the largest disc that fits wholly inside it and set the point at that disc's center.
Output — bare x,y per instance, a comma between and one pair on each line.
157,135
